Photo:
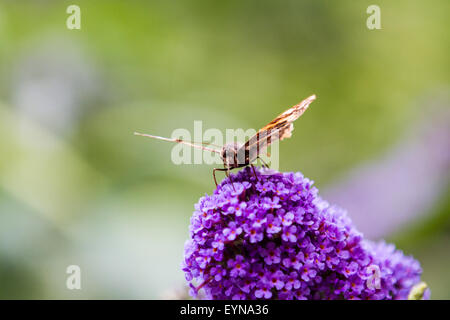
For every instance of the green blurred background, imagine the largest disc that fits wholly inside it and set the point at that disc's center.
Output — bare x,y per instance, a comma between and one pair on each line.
76,187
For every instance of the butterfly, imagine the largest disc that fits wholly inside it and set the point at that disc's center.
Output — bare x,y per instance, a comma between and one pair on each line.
235,155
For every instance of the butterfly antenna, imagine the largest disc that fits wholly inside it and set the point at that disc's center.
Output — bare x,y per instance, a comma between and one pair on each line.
191,144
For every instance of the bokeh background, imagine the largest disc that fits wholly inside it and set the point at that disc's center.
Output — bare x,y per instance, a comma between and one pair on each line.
76,187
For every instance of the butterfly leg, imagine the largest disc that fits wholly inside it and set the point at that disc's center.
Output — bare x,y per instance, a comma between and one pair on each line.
214,173
227,173
254,171
265,165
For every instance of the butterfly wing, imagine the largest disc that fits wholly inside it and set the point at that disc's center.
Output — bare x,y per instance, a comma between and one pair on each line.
278,129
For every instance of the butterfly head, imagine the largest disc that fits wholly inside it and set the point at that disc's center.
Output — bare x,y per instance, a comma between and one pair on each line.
229,154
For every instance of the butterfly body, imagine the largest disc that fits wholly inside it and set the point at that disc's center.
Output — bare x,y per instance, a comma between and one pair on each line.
235,155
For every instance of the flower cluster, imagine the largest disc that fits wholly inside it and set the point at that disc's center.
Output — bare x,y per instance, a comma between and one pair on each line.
268,235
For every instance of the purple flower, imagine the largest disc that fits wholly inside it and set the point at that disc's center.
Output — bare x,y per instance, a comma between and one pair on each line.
270,203
237,209
275,280
254,234
273,237
238,266
289,234
271,253
263,292
292,281
273,224
287,219
293,261
259,221
350,269
240,295
307,272
232,231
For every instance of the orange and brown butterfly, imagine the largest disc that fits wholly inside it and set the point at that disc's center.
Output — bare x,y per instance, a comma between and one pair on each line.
235,155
